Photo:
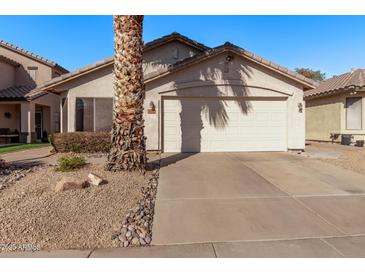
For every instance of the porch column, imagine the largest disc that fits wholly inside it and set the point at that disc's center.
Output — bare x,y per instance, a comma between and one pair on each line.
61,115
71,115
27,126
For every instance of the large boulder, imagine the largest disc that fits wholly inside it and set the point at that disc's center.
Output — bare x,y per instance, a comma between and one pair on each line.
68,183
95,180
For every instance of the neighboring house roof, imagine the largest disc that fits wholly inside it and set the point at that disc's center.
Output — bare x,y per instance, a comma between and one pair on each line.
32,55
207,53
343,82
240,51
20,93
15,93
175,36
9,61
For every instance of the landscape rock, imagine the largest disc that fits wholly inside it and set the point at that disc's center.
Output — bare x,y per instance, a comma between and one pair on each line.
3,164
68,183
137,224
11,173
95,180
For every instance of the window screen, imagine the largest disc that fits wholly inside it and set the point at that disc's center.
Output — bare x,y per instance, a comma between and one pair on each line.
84,114
103,114
353,113
94,114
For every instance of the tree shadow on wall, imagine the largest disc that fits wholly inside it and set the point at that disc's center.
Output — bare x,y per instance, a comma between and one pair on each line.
194,111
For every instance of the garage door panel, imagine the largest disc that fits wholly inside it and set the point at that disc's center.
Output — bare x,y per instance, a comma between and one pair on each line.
188,127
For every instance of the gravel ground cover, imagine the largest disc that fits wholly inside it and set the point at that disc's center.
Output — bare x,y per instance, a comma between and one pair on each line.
347,157
350,159
32,213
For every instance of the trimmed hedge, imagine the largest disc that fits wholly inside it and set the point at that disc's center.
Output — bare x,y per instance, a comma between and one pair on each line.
81,142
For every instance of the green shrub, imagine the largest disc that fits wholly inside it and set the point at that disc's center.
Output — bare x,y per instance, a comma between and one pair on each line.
81,142
70,162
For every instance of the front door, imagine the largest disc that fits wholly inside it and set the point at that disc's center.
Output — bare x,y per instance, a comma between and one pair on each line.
38,125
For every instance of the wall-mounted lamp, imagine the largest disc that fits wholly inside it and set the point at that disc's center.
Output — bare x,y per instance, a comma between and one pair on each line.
300,107
152,108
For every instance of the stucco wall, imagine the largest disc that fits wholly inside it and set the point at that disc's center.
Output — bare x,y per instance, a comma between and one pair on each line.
7,75
323,118
44,72
98,84
244,79
14,121
327,115
166,54
51,110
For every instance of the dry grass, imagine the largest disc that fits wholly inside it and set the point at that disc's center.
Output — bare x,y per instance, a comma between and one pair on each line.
32,213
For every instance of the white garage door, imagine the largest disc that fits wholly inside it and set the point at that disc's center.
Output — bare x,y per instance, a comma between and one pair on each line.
211,125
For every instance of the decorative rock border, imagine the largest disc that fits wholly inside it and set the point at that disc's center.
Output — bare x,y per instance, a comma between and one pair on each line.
137,226
10,174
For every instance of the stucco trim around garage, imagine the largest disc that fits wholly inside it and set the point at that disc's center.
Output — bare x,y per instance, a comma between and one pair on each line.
239,83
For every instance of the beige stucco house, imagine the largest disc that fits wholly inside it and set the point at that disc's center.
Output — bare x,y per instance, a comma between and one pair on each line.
197,99
25,111
336,107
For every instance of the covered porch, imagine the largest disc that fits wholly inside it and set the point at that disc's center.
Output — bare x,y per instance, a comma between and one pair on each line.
24,122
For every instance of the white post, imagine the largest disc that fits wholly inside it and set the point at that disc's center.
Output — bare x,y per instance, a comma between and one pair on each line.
27,119
61,115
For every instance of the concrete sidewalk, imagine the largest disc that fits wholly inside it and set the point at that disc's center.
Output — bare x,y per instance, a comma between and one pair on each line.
29,156
301,248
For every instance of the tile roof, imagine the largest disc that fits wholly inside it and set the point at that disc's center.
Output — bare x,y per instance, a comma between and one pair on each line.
208,52
15,93
8,60
174,36
349,80
31,55
238,50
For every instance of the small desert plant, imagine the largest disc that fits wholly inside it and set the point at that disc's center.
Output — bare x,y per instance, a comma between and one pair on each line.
70,162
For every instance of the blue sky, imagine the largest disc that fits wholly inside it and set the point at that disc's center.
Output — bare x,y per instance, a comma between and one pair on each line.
333,44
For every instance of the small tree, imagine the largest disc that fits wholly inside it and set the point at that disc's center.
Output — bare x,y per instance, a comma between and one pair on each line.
315,75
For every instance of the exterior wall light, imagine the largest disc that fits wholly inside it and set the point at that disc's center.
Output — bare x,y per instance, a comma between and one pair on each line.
152,105
151,108
300,107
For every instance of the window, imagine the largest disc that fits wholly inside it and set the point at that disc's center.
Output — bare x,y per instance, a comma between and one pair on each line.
353,113
94,114
33,72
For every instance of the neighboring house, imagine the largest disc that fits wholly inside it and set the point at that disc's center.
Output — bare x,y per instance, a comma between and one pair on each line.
197,99
25,111
336,107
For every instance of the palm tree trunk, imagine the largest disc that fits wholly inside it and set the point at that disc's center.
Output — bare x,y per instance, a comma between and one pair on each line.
128,148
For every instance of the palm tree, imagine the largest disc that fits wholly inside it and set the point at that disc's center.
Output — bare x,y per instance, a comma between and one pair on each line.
128,143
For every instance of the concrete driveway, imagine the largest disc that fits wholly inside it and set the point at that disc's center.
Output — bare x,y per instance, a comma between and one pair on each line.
239,198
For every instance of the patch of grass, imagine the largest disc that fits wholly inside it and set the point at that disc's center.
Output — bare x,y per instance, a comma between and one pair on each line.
70,162
18,147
